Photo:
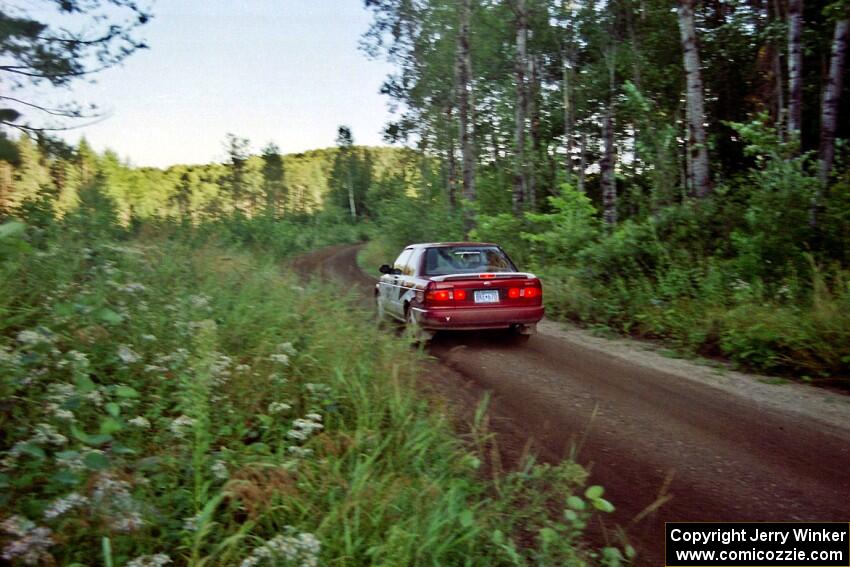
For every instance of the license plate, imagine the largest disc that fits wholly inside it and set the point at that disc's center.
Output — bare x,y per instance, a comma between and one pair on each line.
486,296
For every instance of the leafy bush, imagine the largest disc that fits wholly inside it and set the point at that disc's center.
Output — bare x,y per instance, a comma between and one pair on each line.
561,235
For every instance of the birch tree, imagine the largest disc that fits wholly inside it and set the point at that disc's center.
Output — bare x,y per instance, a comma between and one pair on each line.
521,109
698,166
795,67
464,88
831,96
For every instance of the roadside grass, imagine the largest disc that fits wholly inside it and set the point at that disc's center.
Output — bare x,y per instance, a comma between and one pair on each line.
375,253
808,338
170,400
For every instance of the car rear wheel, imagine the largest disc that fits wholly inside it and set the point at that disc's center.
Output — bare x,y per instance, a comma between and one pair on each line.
413,330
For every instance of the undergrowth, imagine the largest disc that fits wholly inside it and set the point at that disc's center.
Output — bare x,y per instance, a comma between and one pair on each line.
168,399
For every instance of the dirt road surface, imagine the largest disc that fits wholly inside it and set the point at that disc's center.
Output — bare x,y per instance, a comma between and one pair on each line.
716,445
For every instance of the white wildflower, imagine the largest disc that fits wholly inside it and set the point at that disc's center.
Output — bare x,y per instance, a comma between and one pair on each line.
33,337
79,359
301,548
31,548
62,414
128,355
95,397
280,359
219,470
62,505
139,421
297,435
287,348
6,355
72,460
174,359
113,500
318,389
46,434
190,524
17,526
304,428
242,368
279,407
133,287
221,365
307,425
300,452
157,560
200,301
180,425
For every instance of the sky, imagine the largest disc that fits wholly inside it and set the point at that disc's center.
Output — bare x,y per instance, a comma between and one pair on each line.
282,71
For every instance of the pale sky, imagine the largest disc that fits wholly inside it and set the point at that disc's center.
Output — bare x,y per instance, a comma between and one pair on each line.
286,71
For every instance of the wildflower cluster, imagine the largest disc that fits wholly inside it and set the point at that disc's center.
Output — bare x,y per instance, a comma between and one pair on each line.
30,544
301,549
115,504
158,560
302,429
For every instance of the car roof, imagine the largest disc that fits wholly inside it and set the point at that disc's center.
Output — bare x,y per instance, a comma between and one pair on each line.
442,244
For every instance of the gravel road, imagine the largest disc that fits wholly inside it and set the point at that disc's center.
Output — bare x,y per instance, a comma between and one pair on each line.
713,445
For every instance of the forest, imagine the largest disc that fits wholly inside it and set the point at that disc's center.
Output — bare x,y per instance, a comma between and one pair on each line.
691,187
677,172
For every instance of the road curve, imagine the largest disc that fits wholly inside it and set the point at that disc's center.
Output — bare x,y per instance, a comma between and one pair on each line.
712,454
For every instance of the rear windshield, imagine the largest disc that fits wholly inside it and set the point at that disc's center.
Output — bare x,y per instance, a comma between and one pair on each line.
466,260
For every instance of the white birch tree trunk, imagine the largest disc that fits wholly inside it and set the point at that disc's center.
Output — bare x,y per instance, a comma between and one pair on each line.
832,93
465,103
795,67
520,65
697,148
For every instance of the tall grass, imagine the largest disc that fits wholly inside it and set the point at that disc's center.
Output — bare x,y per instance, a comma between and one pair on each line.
168,400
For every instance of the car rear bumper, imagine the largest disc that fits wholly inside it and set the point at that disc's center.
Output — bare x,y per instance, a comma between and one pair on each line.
472,318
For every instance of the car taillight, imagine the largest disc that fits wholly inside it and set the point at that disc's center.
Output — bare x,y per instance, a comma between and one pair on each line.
439,295
443,295
526,292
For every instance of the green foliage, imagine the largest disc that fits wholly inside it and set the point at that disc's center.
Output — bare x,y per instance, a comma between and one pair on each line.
251,185
504,229
782,190
169,397
404,220
559,236
58,43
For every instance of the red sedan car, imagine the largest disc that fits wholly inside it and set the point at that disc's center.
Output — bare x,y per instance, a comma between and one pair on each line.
458,286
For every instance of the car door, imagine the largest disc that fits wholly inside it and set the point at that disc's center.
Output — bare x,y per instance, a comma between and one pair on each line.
393,283
407,279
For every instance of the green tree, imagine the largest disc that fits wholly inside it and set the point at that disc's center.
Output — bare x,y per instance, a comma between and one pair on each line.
55,43
274,182
344,168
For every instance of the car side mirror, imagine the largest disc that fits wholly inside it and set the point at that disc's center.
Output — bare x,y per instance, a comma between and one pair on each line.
385,269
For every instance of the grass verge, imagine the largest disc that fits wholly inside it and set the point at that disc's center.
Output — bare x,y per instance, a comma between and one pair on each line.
169,401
